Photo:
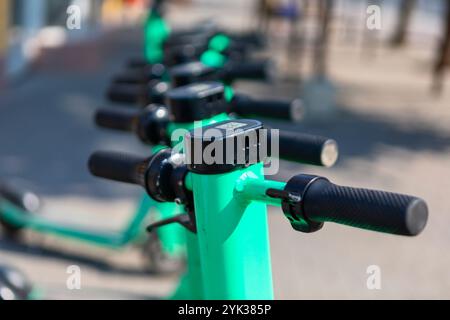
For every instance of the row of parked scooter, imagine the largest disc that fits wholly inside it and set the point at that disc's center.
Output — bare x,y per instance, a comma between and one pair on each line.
205,218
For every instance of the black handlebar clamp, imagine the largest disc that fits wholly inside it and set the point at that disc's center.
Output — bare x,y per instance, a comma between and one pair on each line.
292,202
196,102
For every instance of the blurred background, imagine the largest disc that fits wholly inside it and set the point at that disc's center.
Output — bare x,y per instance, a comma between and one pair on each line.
377,87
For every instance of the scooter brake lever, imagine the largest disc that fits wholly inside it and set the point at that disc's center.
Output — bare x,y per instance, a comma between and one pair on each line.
183,219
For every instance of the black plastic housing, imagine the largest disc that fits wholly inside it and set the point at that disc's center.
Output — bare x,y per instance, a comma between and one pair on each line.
189,73
196,102
224,147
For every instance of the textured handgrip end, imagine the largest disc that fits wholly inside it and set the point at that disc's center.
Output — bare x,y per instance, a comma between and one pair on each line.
22,198
416,217
308,149
366,209
264,70
118,167
130,77
291,110
124,93
330,153
122,120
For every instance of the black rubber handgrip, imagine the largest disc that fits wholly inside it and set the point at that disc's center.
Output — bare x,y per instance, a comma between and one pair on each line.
306,148
255,70
131,77
125,93
118,167
141,95
292,110
24,199
362,208
122,120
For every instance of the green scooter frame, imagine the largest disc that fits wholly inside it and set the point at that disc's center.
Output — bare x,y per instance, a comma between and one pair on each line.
170,241
193,101
15,217
230,223
174,235
157,30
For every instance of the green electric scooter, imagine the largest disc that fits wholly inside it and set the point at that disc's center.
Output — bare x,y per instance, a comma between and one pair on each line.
207,43
155,126
162,45
194,106
156,39
18,208
225,205
181,75
18,211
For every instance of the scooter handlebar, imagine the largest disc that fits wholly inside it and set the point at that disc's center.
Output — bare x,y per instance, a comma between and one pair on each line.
263,70
366,209
131,77
140,75
122,120
124,93
306,148
153,92
118,167
292,110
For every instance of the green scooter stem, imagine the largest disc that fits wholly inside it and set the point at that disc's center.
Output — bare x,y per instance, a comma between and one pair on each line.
233,238
191,285
156,31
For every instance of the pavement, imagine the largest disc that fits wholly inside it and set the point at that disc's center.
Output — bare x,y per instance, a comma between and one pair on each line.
393,135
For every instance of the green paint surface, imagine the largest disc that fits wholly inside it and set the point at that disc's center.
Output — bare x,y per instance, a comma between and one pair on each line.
233,238
156,31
